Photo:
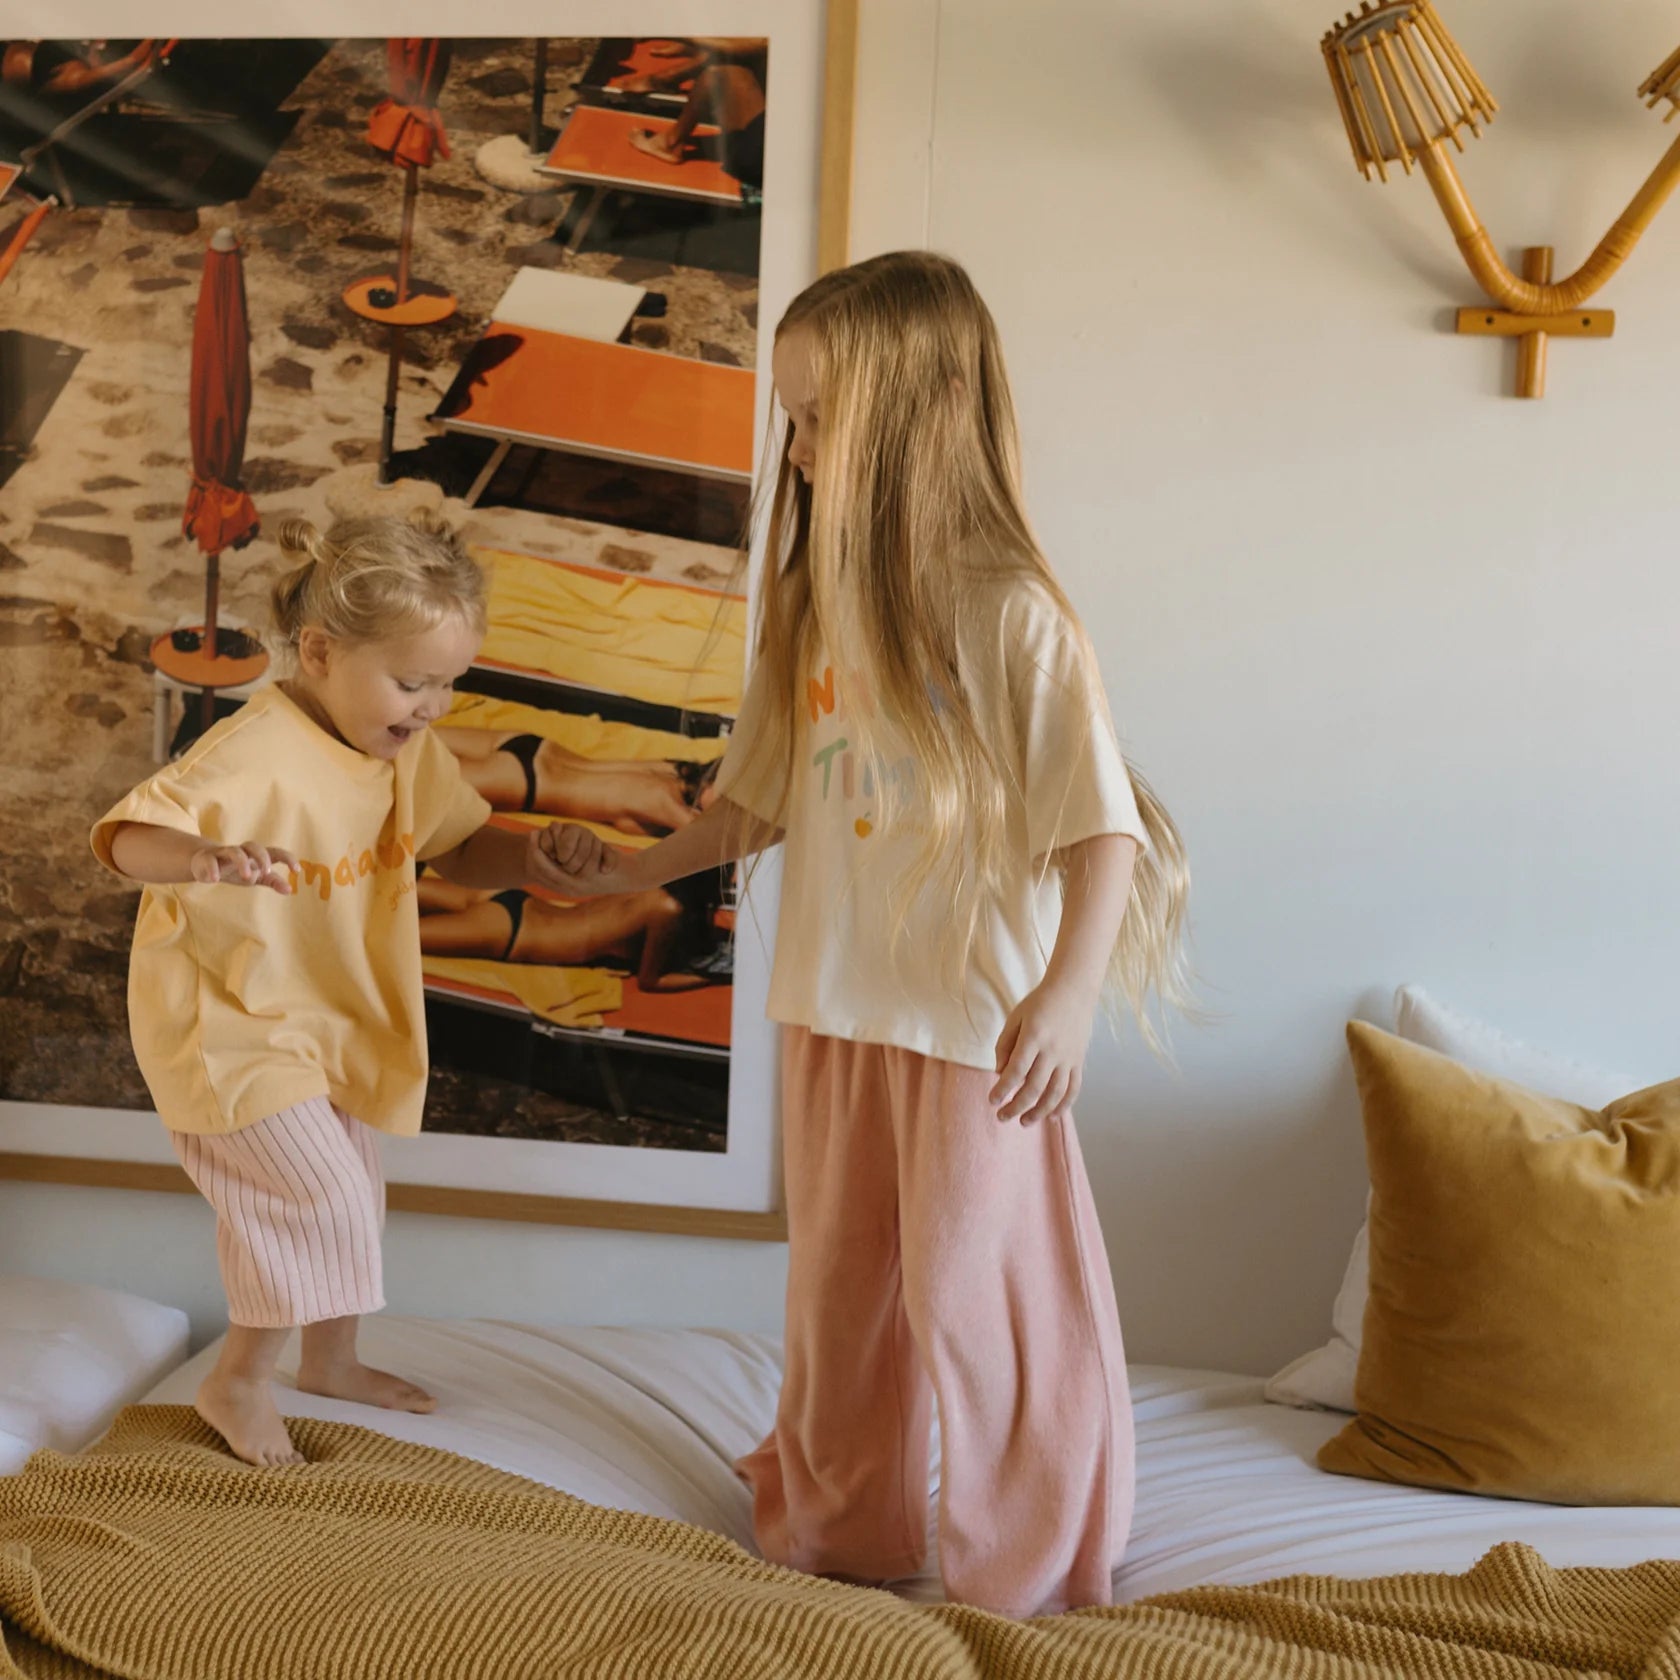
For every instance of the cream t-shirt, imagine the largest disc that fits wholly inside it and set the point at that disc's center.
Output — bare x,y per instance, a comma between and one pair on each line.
242,1001
837,968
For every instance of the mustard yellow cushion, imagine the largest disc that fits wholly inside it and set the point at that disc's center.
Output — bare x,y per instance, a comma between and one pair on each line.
1522,1335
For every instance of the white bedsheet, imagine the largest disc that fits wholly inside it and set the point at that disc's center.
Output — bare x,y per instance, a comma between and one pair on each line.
652,1420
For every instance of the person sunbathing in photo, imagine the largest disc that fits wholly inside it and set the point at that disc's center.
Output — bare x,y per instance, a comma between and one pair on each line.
665,937
527,772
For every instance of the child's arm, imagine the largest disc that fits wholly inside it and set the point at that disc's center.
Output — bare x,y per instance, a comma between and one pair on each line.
1041,1051
562,856
718,836
170,856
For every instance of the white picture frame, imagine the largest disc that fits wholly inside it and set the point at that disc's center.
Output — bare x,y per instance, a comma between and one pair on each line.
735,1192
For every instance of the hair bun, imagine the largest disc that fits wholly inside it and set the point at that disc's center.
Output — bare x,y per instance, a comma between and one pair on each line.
381,575
429,522
299,540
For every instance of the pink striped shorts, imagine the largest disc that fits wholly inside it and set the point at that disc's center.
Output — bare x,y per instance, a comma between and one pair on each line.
300,1202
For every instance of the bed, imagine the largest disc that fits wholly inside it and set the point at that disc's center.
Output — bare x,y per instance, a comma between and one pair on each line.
73,1354
645,1426
455,1544
652,1420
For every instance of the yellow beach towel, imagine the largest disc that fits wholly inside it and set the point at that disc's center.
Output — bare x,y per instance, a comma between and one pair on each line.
589,737
649,641
569,997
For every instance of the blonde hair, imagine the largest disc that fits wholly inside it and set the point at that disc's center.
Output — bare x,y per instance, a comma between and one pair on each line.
367,580
916,499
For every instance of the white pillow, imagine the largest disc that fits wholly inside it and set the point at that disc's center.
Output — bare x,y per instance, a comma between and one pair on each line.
71,1357
1325,1376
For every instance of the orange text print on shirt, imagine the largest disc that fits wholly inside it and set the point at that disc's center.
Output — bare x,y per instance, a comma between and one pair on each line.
837,696
383,855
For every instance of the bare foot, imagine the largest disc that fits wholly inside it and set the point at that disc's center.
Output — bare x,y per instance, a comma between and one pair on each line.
655,145
364,1385
243,1413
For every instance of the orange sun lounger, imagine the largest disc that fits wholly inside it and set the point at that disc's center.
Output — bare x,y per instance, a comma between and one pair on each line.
9,173
619,62
594,151
616,402
22,233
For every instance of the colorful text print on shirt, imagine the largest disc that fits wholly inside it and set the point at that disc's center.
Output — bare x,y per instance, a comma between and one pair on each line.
382,855
838,696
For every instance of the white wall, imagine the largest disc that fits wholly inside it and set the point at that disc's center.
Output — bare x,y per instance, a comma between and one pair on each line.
1398,650
164,1246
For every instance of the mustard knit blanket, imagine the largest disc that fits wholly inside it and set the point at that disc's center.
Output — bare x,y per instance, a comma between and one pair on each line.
155,1554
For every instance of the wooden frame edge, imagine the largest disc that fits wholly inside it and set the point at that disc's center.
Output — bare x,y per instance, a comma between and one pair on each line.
93,1172
834,188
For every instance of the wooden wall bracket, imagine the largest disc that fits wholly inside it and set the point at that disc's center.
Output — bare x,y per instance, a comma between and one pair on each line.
1406,92
1533,331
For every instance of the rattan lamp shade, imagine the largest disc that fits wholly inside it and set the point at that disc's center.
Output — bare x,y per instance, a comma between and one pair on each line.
1664,83
1404,89
1402,84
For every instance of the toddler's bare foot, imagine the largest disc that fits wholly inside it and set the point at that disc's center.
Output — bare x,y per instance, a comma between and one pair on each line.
366,1386
243,1413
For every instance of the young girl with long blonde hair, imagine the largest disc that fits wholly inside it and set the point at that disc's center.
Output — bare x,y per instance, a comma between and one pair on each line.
968,868
280,1029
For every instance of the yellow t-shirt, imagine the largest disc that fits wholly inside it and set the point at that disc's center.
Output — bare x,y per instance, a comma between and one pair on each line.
839,969
243,1001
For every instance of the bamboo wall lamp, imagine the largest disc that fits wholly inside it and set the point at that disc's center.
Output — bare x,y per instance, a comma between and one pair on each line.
1405,88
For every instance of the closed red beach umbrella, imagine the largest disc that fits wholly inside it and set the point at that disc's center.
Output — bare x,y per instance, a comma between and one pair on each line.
405,125
219,513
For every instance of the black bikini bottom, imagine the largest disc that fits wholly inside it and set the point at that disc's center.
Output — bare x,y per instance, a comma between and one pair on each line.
511,900
524,748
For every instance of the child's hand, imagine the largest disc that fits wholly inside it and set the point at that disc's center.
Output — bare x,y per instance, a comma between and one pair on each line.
612,876
1041,1054
570,859
249,865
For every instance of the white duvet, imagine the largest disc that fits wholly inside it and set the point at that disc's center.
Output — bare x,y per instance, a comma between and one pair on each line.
652,1420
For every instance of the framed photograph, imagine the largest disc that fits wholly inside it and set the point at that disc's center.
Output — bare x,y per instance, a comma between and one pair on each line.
526,283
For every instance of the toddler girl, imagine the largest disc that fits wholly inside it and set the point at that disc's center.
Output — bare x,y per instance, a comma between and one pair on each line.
275,993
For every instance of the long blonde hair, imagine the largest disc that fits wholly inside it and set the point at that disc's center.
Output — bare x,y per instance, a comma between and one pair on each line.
366,580
917,498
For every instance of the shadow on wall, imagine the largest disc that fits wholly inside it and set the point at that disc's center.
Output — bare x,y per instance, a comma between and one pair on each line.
1256,108
1232,1256
1256,104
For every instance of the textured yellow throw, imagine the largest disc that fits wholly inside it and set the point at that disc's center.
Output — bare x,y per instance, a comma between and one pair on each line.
157,1555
